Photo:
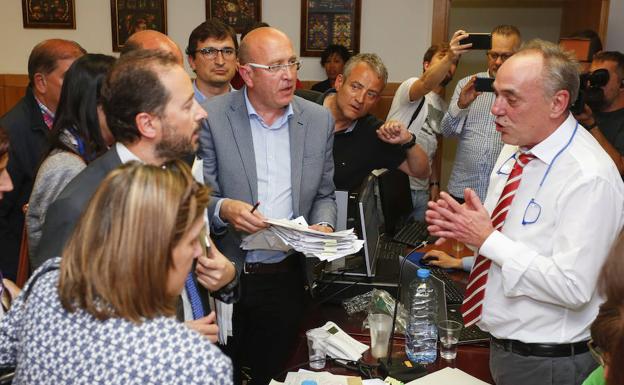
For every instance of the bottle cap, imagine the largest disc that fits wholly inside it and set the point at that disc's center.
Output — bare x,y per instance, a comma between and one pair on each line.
423,273
308,382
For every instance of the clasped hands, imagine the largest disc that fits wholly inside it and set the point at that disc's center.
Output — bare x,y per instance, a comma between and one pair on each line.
468,223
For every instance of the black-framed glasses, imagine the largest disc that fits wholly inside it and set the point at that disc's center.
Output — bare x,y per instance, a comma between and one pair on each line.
596,352
275,68
495,55
211,52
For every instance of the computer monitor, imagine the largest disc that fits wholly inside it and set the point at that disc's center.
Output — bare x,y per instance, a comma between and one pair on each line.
370,223
396,200
364,217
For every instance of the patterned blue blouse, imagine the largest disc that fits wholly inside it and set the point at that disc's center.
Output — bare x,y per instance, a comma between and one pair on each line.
52,346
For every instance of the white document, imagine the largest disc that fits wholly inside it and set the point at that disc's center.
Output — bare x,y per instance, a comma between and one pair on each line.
448,376
321,378
374,381
341,345
284,235
264,240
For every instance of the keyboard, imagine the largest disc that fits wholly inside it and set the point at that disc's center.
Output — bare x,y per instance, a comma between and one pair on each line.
470,334
412,234
389,250
454,295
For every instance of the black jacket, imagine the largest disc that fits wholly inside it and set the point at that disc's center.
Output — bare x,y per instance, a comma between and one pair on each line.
29,142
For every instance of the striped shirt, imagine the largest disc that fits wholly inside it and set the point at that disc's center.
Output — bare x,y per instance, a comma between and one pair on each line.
479,142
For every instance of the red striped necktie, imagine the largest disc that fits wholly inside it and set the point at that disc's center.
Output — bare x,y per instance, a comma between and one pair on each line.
475,290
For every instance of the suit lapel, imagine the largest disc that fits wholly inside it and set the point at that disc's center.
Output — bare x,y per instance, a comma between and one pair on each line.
241,129
297,130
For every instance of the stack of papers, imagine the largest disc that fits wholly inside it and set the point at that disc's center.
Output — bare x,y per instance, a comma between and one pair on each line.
321,378
284,235
448,376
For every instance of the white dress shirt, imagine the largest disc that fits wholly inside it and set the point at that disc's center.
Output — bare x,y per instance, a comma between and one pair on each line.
541,286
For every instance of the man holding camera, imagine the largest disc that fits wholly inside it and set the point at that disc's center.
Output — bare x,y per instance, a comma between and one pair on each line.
603,114
469,119
419,104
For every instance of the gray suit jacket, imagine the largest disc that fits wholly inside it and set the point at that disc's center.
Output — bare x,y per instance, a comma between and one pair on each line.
226,147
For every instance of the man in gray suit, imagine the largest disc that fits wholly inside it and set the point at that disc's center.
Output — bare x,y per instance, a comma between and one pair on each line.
262,145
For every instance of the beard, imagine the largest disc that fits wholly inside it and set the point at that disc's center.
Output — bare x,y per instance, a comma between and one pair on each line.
446,80
174,145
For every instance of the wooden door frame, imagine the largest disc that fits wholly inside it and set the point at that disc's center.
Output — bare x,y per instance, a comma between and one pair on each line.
439,25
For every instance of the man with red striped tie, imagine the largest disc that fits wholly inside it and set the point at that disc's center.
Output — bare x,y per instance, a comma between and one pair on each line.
553,208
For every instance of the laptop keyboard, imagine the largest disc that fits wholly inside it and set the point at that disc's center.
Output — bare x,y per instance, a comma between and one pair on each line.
469,334
412,233
454,295
389,250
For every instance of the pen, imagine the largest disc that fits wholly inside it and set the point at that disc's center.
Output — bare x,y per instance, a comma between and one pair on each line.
255,207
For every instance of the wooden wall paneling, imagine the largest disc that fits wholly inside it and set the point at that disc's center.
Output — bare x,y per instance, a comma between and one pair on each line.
382,107
585,14
12,89
440,33
2,98
439,25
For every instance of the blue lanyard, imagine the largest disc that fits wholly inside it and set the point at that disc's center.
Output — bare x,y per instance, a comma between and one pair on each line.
533,208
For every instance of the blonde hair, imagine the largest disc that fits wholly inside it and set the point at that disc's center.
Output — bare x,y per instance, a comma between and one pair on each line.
118,259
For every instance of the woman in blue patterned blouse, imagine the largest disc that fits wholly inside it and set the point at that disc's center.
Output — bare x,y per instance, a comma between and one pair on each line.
106,317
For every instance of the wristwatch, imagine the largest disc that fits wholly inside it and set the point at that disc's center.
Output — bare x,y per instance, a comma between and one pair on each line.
410,144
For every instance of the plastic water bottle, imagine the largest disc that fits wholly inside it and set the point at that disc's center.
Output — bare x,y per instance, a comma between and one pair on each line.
421,336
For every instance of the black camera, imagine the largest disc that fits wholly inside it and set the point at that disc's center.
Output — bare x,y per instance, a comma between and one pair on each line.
590,91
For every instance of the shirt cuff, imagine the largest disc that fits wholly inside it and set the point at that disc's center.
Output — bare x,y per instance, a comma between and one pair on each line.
494,247
326,224
228,293
467,263
217,222
457,112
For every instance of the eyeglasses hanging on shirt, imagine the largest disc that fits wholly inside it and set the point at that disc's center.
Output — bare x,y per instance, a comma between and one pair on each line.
533,210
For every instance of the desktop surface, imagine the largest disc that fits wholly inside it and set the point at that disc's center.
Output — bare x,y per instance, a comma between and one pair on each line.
472,359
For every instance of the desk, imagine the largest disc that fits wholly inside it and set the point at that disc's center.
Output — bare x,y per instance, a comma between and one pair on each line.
472,359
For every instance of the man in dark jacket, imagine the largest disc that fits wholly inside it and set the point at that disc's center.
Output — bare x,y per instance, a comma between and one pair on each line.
28,124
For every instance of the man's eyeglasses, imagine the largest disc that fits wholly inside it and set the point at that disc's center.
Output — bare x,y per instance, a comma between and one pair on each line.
596,352
211,52
275,68
495,55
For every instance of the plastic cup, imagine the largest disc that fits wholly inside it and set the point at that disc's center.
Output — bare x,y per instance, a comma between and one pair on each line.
380,329
449,336
457,248
317,349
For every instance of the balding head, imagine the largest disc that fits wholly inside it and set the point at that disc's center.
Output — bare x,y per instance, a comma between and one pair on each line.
269,68
257,41
154,40
45,56
47,64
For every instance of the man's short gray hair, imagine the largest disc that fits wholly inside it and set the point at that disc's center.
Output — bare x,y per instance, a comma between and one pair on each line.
373,61
561,69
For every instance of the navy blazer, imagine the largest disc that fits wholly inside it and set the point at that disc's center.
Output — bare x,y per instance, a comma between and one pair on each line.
29,142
